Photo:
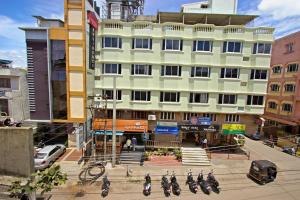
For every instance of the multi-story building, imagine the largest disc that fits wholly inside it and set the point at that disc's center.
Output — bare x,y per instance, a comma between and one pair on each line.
13,92
202,61
283,99
61,62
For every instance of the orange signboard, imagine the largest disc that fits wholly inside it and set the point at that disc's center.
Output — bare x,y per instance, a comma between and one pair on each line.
122,125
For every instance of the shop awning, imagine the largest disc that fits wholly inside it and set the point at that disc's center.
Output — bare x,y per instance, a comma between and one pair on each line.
118,133
282,121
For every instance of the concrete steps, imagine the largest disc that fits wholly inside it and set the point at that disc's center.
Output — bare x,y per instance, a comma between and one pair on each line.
132,158
194,157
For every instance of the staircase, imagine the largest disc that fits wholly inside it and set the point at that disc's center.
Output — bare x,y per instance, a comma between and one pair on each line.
194,156
132,157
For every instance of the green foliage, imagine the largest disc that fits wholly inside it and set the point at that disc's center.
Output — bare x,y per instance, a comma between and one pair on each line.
42,180
178,154
165,151
147,155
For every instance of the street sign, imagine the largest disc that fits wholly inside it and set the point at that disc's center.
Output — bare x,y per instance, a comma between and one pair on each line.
204,121
234,128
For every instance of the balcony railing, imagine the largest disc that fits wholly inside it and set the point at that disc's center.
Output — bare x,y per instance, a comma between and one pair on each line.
142,26
268,31
231,30
160,144
203,28
173,27
113,25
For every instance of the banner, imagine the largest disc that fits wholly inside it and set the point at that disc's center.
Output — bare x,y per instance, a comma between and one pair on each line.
234,128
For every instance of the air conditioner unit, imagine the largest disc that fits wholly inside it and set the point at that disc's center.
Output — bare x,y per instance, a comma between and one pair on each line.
241,109
243,83
151,117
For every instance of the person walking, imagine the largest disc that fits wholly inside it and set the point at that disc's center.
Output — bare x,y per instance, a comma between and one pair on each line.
204,142
134,142
128,144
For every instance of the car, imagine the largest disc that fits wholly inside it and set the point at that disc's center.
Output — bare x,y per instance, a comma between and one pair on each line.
255,136
47,156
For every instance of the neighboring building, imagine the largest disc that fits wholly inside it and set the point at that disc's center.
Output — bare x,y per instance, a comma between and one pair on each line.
283,99
198,62
13,92
61,62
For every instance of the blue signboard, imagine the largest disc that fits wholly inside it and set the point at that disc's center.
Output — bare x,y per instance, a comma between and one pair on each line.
167,130
204,121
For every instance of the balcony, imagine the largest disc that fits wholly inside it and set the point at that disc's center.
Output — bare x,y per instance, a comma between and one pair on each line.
173,30
142,28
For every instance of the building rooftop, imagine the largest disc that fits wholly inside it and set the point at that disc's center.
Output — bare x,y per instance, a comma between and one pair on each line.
41,18
5,62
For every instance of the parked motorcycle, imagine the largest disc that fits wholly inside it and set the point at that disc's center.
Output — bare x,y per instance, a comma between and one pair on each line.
147,185
175,186
105,186
214,184
166,185
192,184
203,184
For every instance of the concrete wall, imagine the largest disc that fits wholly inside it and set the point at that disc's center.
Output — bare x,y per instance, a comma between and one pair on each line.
16,151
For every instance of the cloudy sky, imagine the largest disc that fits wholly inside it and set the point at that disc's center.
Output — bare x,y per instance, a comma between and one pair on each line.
284,15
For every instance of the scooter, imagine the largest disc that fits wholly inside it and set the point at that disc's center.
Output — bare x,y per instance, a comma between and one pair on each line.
214,184
203,184
147,185
175,186
192,184
166,185
105,186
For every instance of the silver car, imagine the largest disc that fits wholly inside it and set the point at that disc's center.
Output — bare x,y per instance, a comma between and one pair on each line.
47,156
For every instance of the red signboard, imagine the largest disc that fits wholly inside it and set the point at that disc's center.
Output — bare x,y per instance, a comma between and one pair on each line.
92,19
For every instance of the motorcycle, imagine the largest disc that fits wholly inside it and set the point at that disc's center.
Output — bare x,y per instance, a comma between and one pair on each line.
175,186
192,184
147,185
105,186
166,185
203,184
214,184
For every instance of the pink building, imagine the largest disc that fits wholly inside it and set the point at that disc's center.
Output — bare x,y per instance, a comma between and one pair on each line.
283,98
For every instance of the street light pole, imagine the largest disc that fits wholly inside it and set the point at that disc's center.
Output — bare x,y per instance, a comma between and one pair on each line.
114,123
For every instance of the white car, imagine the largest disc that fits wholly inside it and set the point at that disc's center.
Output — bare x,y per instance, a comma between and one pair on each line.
47,156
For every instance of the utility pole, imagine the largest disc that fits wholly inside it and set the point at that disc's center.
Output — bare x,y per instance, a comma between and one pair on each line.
114,123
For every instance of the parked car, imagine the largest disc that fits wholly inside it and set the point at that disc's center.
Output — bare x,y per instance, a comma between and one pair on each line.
255,136
47,156
262,171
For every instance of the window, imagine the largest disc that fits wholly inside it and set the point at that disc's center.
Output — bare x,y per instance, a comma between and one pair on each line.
258,74
200,72
276,70
262,48
141,70
170,70
289,87
167,116
187,116
141,43
292,67
232,118
169,96
230,73
111,69
110,114
255,100
112,42
5,83
232,47
199,97
172,45
227,99
213,117
274,87
287,107
272,105
139,115
4,106
110,94
199,45
289,47
140,95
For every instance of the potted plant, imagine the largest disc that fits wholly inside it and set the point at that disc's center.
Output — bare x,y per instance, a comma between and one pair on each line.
147,155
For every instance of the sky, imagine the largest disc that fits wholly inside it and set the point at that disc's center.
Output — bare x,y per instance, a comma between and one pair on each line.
283,15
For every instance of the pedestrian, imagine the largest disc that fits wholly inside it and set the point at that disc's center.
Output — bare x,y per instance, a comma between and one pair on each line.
128,144
293,151
134,142
196,140
204,143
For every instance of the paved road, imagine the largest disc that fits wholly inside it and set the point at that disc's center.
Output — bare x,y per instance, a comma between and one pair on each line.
230,173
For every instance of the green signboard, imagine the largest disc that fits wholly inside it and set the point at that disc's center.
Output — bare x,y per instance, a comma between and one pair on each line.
233,129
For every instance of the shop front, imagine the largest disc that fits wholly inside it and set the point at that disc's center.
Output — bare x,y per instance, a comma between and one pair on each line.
230,130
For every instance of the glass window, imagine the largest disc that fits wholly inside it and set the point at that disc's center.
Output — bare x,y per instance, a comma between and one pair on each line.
258,74
213,117
232,47
167,116
170,70
187,116
200,72
287,107
227,99
232,118
110,94
142,43
262,48
141,96
4,106
139,115
200,45
111,69
272,105
112,42
230,73
169,97
290,87
5,83
141,69
172,45
292,68
289,47
255,100
276,70
199,97
274,87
